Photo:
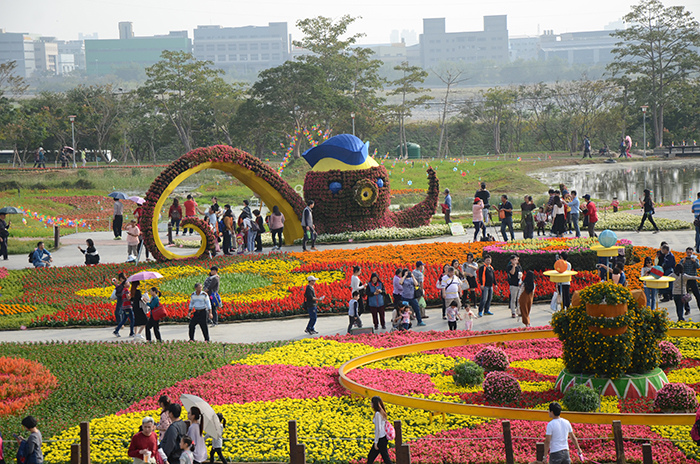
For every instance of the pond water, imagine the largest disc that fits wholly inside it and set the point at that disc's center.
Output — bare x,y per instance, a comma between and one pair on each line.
669,181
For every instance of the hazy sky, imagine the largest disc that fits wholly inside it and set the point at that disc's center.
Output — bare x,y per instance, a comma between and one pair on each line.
64,19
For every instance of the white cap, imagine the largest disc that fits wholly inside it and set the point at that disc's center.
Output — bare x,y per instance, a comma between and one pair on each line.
311,278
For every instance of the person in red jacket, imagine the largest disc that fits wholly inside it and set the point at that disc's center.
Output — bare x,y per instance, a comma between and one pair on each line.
144,445
592,212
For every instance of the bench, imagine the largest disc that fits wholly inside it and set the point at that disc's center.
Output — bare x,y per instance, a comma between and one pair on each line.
361,330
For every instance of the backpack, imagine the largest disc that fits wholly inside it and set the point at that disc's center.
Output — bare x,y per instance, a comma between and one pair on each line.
389,429
254,226
31,257
695,432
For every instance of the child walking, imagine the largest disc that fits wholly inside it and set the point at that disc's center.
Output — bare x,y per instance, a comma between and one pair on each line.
218,443
353,311
185,444
380,439
541,219
452,314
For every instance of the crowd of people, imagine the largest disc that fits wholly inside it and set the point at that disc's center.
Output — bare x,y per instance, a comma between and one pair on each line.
242,234
144,312
563,210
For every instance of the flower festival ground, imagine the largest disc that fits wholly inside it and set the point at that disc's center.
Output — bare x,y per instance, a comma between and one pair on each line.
259,388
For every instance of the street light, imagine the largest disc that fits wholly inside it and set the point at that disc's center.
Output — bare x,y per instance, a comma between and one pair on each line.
352,115
72,131
644,113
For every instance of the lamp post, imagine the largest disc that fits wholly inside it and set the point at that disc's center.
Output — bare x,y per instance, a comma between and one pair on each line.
644,124
72,131
352,115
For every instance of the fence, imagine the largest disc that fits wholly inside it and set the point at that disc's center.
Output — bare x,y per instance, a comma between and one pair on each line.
80,452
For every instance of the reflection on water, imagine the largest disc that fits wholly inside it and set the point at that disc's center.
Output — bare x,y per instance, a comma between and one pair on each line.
669,181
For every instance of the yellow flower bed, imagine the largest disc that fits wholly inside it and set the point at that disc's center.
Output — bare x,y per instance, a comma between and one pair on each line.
10,309
689,375
689,347
536,386
446,384
431,364
541,366
279,271
314,352
260,429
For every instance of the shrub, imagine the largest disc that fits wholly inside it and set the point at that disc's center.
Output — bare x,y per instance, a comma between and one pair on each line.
501,388
468,374
670,355
581,398
492,359
675,397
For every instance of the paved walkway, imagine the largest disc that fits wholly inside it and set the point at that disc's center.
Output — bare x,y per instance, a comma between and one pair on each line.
113,251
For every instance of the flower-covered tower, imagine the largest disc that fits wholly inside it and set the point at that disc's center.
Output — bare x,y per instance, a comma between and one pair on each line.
351,190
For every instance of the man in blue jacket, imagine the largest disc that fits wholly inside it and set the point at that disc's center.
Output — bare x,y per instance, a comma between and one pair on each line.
41,257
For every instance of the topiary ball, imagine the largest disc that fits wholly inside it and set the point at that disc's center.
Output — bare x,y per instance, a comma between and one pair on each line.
607,238
581,398
501,388
674,397
561,266
491,359
468,374
670,355
657,272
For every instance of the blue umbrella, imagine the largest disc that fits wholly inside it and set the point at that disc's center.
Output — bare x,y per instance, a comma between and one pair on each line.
118,195
10,210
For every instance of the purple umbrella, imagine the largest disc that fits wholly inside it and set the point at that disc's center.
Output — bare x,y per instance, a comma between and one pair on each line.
137,200
144,275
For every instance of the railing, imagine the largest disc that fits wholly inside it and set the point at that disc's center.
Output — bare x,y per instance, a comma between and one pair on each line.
80,452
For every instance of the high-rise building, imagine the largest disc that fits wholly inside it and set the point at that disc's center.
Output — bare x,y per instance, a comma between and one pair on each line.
243,50
74,48
126,30
437,45
18,47
108,56
46,55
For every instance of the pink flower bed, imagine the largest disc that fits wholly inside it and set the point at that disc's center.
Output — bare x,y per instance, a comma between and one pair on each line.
399,382
469,446
240,383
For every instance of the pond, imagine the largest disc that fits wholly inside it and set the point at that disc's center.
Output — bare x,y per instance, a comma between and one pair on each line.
669,181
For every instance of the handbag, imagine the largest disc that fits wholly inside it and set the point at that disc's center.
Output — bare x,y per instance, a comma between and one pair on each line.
159,313
686,297
113,296
501,214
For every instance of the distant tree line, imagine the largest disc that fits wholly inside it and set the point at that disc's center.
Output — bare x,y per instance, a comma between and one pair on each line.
185,103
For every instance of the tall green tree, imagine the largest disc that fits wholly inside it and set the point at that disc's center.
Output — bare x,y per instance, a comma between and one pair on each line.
351,74
184,89
657,52
405,87
291,96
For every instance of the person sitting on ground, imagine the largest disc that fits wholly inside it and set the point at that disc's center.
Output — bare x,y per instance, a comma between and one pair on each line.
41,257
91,255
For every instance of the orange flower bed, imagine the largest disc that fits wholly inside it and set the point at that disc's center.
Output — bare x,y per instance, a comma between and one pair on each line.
432,253
23,383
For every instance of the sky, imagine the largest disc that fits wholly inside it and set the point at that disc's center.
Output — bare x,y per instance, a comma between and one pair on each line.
64,19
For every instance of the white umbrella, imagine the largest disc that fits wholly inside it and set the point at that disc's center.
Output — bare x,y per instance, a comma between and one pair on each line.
212,426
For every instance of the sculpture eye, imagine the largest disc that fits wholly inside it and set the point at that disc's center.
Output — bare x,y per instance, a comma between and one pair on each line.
380,182
335,187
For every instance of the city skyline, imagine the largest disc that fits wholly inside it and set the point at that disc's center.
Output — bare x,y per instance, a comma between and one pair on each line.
66,19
